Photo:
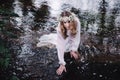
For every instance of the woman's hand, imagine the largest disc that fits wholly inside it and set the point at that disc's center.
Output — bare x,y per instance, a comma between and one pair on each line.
74,54
61,69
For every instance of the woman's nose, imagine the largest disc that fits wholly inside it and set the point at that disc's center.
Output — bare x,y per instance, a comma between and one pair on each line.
67,24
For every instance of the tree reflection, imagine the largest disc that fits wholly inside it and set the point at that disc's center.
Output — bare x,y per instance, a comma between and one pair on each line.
41,15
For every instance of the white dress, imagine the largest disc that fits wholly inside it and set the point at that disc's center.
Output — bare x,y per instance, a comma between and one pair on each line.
68,44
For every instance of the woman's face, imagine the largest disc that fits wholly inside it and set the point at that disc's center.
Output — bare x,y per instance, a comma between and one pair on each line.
66,24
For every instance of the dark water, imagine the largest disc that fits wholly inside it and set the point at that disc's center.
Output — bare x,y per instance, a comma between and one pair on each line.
99,71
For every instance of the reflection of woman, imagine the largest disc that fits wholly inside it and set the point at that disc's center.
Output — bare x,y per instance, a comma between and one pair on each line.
68,39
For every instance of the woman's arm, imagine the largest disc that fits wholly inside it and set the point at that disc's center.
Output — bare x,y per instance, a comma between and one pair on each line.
76,40
60,47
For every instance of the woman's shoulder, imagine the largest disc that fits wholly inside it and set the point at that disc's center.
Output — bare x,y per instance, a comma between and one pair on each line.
58,28
78,23
77,19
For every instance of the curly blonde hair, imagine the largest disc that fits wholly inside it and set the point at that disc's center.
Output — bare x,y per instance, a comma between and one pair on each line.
73,24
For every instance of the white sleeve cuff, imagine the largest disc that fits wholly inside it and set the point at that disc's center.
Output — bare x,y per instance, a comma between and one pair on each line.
74,48
63,63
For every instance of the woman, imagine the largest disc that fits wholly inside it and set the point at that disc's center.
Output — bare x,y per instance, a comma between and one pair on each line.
68,39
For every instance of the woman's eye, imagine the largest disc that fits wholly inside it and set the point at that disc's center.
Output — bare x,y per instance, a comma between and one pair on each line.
64,22
68,21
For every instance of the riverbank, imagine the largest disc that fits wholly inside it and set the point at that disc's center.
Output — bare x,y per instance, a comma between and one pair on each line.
43,65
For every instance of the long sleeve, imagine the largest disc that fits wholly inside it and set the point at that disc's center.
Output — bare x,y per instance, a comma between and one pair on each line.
76,40
60,47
